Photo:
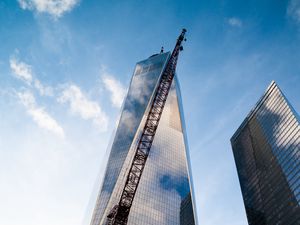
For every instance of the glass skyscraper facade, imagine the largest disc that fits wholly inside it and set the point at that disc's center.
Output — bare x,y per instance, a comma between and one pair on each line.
266,149
164,195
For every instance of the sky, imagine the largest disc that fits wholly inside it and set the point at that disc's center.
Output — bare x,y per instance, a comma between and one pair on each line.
65,66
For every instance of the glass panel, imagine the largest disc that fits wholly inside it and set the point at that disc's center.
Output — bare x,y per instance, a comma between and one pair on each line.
164,195
267,154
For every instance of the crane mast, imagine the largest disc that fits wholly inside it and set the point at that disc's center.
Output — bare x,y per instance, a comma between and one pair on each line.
119,213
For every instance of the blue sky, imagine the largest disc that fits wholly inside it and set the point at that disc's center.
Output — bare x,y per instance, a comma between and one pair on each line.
64,69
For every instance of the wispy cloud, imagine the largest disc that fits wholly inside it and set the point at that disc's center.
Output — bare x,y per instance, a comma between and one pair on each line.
55,8
141,88
82,106
21,70
24,72
43,90
116,89
293,10
129,120
39,115
72,94
235,22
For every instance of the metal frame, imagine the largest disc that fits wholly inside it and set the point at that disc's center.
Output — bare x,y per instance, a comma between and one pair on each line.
119,213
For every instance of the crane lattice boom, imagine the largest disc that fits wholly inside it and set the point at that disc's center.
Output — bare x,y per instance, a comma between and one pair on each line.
119,213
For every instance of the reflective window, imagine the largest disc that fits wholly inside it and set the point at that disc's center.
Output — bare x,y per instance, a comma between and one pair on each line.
266,148
164,196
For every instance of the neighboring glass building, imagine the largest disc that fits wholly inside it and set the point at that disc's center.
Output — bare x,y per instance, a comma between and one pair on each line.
164,195
266,149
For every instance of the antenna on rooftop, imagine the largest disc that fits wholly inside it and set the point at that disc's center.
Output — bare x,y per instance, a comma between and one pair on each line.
162,50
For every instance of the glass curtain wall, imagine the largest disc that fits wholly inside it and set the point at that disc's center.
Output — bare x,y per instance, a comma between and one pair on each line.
266,149
164,195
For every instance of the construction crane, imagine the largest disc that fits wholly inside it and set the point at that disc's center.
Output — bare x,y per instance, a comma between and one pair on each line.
119,213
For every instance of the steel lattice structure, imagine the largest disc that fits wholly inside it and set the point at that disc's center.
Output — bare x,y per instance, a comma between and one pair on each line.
119,214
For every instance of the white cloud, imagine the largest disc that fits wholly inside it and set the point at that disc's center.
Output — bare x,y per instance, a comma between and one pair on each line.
39,115
140,88
84,107
24,72
235,22
43,90
55,8
129,120
293,10
39,168
21,70
115,88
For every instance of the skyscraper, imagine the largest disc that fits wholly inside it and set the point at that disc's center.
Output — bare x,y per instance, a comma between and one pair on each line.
266,149
165,185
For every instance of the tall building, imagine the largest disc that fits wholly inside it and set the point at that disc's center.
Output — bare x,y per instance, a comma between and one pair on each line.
266,149
164,195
